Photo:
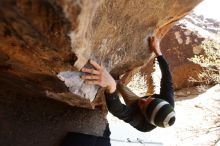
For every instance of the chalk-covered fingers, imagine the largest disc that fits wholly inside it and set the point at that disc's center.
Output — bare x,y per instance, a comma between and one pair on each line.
94,75
96,65
91,77
94,82
91,71
99,76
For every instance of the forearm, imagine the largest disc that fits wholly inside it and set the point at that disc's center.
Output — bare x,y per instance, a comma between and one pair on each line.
128,114
116,107
166,91
164,67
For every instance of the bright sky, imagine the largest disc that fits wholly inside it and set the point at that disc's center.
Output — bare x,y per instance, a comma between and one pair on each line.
209,8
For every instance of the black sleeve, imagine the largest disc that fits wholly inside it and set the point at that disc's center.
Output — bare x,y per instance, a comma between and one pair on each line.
118,109
166,85
127,113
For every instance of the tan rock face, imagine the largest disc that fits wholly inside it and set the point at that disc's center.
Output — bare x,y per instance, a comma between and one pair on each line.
181,43
115,30
178,46
40,38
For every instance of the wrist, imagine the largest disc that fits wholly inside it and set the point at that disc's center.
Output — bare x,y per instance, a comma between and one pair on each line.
158,54
112,87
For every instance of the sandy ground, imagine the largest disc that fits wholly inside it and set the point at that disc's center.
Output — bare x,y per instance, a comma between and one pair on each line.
197,124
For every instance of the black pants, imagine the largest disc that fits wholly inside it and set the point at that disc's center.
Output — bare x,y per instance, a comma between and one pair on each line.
80,139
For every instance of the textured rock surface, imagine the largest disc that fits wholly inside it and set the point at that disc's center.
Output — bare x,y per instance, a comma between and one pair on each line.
179,44
41,38
33,120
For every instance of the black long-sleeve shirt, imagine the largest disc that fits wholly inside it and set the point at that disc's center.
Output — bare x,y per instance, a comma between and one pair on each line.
132,114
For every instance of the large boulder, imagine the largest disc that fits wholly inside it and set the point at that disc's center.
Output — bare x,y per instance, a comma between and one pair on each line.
40,39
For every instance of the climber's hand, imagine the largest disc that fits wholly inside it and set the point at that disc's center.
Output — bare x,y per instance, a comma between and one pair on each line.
99,76
154,44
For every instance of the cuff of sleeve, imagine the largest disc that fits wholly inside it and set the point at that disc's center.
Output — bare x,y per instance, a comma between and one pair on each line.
160,57
161,60
111,96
